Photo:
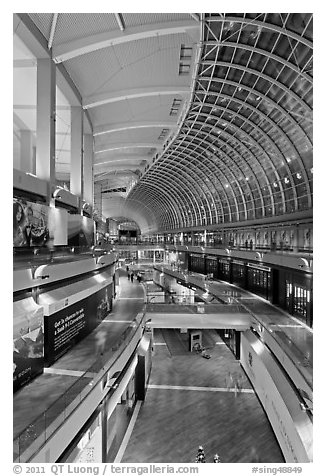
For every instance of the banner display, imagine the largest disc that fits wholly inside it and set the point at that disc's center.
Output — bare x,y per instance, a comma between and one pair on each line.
63,329
28,341
80,231
30,223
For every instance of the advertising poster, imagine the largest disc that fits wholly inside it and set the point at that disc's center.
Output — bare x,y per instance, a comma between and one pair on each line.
63,329
30,223
28,360
80,231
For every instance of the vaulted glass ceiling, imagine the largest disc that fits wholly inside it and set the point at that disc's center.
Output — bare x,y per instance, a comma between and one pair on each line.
197,119
244,151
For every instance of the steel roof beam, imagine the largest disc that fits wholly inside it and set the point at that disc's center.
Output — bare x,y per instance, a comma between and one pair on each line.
100,99
124,126
267,78
240,144
131,145
175,190
244,103
254,143
53,26
155,195
163,200
265,117
262,52
262,24
203,165
81,46
189,176
120,21
213,167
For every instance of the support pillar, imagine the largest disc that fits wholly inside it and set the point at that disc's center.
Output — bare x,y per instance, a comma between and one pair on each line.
205,238
237,345
76,146
88,195
45,120
295,243
27,158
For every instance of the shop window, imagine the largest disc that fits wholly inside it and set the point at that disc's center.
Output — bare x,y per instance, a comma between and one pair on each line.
300,302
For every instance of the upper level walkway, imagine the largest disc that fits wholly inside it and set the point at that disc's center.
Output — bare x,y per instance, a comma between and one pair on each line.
294,337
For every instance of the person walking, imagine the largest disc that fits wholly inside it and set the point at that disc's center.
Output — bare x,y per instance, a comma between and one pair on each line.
132,276
100,342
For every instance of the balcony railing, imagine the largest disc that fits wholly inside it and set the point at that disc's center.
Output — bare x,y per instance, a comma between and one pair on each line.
35,435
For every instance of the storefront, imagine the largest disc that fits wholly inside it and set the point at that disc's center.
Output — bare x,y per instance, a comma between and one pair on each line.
224,268
212,267
197,263
259,280
295,295
239,273
232,339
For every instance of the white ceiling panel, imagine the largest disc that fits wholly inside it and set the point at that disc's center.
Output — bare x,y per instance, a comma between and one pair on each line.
158,69
129,136
43,21
153,108
115,112
72,26
94,71
136,19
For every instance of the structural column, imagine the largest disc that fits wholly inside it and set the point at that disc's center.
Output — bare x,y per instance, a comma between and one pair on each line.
45,120
205,238
295,243
27,152
76,149
88,194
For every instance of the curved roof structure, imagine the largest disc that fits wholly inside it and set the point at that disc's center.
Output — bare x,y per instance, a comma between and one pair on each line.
198,119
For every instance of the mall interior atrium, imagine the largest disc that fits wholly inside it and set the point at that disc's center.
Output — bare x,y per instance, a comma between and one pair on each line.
162,237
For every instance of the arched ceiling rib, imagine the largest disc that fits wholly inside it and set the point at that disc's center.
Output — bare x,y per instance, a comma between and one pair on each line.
202,118
81,46
109,128
248,129
107,98
133,73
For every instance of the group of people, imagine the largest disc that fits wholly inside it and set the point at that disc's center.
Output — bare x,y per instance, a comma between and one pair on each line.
201,458
131,275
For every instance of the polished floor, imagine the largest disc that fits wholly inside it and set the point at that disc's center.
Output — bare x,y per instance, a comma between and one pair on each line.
190,400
